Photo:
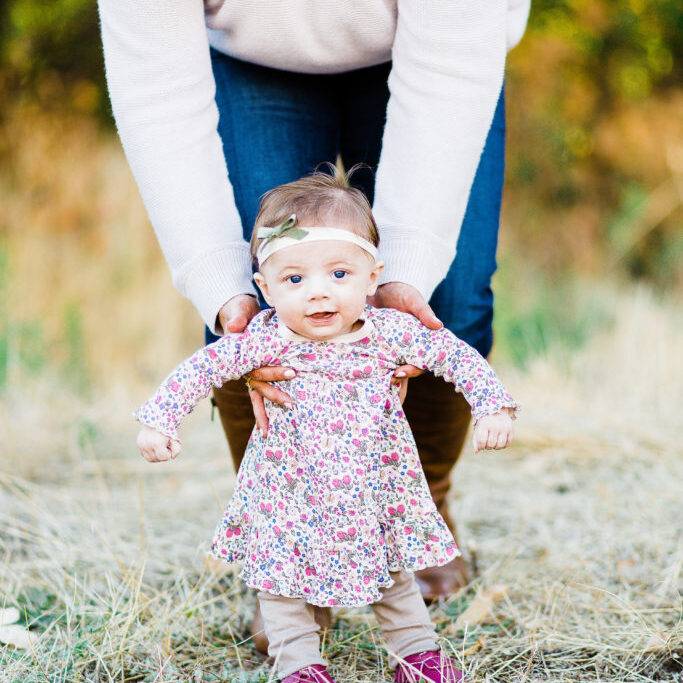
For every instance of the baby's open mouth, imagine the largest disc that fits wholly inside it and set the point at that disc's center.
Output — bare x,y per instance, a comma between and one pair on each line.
322,315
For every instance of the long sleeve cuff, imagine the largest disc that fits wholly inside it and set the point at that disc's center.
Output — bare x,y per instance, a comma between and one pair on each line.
214,277
416,261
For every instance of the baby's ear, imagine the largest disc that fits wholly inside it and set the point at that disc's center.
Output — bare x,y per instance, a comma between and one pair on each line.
263,286
374,277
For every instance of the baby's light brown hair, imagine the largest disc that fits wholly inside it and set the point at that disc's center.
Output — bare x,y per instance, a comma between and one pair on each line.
315,199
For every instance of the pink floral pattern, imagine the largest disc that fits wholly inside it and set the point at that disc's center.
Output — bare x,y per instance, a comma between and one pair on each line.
334,497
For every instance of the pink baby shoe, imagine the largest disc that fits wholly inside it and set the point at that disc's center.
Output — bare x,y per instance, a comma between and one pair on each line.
432,666
316,673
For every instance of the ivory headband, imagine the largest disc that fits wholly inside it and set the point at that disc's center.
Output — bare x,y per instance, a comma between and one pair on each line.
288,234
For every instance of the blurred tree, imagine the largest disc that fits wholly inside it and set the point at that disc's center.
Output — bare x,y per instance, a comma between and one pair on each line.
595,132
595,113
50,52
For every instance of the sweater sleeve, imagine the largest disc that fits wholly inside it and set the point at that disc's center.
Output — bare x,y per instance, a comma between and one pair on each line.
447,74
162,93
228,358
442,353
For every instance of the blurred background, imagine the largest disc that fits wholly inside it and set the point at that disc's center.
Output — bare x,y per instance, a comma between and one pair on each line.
592,201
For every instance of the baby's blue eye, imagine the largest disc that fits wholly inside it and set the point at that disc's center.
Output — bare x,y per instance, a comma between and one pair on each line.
339,274
295,279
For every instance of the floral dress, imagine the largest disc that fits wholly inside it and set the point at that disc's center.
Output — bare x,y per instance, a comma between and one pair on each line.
334,497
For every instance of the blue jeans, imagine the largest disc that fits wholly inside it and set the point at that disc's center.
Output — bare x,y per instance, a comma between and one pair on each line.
277,126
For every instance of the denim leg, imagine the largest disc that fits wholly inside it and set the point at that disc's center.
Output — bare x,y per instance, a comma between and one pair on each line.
464,300
275,126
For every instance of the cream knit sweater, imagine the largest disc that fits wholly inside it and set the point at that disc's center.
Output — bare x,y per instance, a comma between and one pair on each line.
448,63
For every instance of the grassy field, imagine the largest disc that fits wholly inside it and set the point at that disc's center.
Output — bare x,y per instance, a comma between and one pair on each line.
575,531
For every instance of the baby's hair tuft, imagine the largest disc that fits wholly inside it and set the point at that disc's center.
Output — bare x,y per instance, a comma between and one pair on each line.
322,197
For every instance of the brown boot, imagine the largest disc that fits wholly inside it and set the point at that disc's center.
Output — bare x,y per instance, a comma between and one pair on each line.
237,418
439,419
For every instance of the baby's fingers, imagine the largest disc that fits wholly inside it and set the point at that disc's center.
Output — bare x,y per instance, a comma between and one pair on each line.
480,439
492,441
160,454
510,436
173,448
159,451
151,454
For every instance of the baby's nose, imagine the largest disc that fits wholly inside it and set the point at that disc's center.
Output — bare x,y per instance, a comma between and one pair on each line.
318,288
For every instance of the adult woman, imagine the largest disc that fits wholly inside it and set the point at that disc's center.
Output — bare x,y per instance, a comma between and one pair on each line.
411,87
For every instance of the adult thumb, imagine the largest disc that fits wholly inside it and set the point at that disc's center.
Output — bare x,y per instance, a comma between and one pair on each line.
236,323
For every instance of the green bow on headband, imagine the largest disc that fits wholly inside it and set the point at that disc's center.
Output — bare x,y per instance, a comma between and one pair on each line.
285,229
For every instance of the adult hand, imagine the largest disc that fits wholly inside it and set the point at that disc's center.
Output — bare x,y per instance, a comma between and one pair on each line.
404,297
259,388
234,317
237,312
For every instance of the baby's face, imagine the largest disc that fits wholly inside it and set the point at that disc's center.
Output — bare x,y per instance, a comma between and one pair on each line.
319,289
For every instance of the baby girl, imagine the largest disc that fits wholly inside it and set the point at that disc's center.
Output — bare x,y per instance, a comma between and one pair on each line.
331,506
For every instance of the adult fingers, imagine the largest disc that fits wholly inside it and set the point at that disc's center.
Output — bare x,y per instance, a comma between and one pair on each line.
402,390
406,298
403,371
414,303
236,323
427,317
237,312
260,415
401,376
271,392
272,373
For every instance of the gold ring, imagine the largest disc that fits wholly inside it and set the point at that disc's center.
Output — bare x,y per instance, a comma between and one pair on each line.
247,381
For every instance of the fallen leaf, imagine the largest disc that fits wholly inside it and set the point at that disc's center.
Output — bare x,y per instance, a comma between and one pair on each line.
17,635
480,607
658,641
9,616
473,648
216,566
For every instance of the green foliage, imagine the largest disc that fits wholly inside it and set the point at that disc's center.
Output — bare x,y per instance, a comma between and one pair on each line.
581,66
628,47
644,252
75,366
21,342
51,51
593,91
535,316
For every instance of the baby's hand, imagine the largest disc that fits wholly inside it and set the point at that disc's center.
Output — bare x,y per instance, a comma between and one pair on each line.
494,431
155,446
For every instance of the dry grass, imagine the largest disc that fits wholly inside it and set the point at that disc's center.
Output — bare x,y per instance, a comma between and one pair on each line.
104,553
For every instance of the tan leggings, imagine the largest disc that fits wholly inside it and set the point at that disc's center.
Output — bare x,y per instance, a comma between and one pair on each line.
293,634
